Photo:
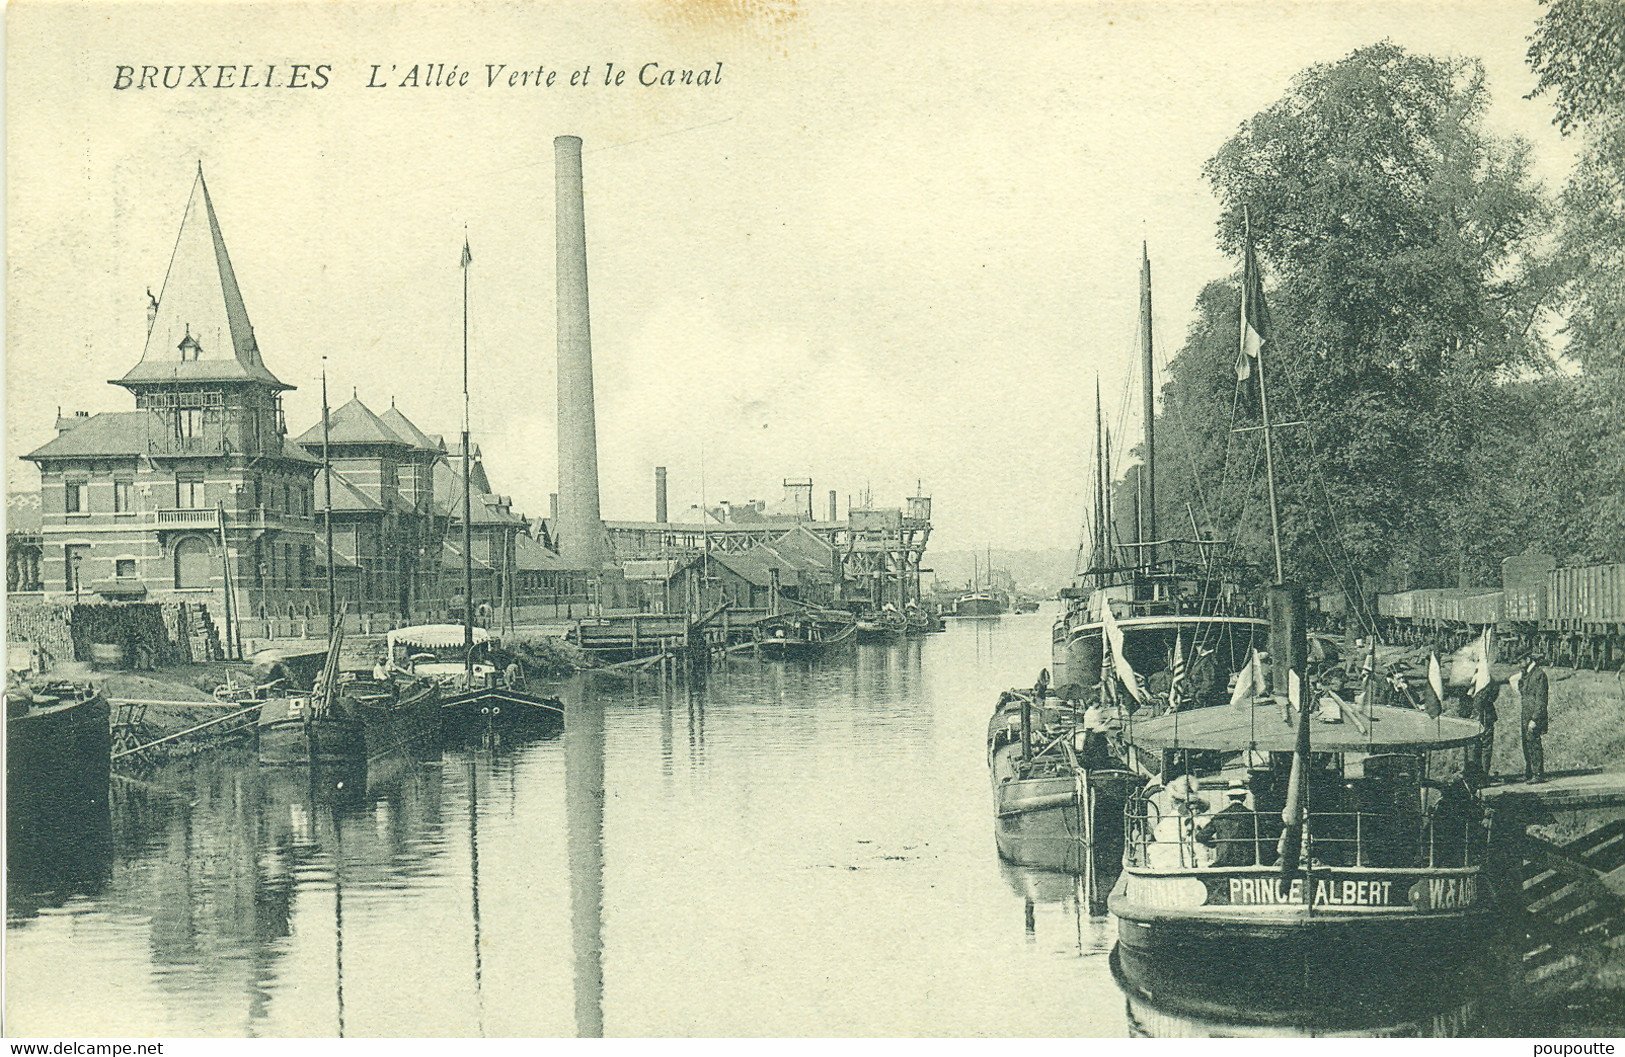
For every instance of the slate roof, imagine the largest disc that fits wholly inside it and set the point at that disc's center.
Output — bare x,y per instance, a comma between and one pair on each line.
404,429
132,433
353,423
200,300
344,561
451,557
448,494
747,567
109,433
347,498
531,556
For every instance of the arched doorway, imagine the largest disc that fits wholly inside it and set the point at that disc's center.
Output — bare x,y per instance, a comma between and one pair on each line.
192,564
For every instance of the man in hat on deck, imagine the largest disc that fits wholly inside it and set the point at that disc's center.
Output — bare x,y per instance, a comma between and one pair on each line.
1230,831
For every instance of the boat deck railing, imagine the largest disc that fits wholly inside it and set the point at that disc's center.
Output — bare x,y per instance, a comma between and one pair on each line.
1157,837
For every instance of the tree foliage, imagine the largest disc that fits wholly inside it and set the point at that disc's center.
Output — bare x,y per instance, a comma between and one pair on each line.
1578,50
1398,233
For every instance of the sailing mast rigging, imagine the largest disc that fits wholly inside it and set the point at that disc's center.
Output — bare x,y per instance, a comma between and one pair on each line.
1148,552
1253,318
468,528
327,510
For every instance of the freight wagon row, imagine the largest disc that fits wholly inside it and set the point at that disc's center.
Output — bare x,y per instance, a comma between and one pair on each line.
1568,616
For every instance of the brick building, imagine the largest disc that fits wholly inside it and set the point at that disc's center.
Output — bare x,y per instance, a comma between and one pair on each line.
197,493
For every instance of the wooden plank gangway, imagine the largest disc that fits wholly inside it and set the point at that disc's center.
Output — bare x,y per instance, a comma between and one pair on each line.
1560,864
1562,790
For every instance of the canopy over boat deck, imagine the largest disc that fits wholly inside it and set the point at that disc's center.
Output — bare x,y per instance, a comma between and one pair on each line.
1261,728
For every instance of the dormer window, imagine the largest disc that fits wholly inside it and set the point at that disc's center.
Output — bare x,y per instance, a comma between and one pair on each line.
189,347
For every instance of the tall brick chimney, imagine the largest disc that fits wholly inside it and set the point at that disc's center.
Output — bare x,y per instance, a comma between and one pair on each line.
581,526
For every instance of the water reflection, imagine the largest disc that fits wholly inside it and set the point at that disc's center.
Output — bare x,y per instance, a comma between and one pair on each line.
790,849
59,847
474,885
1056,902
584,818
1210,1001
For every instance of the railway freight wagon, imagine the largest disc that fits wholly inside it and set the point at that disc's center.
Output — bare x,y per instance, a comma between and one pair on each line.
1571,617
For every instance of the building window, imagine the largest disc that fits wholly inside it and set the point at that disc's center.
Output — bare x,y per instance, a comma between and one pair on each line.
189,491
189,422
123,497
124,568
73,499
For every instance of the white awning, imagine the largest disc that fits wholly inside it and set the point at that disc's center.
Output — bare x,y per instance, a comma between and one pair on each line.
435,636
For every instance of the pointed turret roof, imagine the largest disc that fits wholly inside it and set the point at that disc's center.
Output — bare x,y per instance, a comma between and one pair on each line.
404,429
354,423
201,330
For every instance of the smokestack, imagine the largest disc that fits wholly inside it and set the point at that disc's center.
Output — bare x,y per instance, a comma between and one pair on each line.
660,495
553,508
832,516
581,527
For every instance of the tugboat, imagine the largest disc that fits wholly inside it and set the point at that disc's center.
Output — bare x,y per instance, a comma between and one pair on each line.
1269,847
1290,833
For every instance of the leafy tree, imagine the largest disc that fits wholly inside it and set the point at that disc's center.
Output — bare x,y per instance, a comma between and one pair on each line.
1397,231
1579,52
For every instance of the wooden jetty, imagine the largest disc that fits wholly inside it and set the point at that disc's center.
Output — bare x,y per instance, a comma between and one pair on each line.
630,637
1559,856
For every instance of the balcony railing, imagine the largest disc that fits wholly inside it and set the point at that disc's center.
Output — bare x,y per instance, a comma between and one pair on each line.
258,518
205,516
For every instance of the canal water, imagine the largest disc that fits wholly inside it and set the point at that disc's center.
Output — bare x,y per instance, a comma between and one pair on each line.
787,848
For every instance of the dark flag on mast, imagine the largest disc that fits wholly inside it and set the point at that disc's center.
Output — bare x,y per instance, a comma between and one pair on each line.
1255,316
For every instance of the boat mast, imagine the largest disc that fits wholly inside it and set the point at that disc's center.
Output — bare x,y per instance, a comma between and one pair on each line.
1100,492
1149,552
1106,491
468,530
327,510
1252,285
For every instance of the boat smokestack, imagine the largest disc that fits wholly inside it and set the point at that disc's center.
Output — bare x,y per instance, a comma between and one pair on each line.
1289,641
581,527
832,516
660,495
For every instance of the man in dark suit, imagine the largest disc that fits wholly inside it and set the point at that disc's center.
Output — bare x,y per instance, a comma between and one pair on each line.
1481,753
1532,690
1231,833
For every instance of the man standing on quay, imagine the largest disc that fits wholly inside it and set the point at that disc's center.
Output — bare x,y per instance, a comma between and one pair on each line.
1531,685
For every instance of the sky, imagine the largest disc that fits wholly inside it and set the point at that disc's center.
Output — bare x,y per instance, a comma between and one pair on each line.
891,247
